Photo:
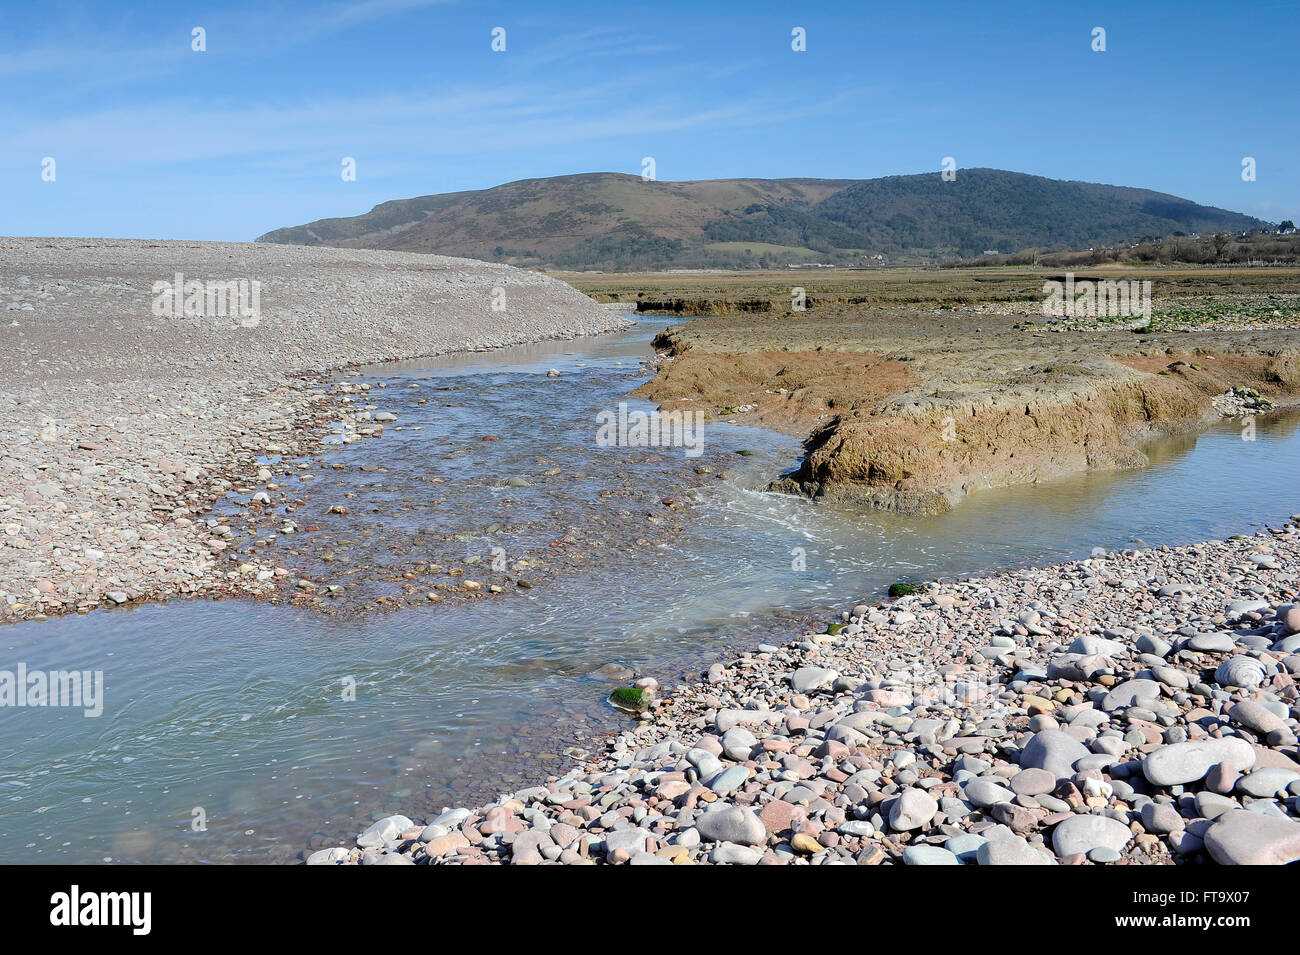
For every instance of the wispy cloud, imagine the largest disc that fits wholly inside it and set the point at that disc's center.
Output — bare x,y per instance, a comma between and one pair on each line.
452,122
279,28
89,57
595,43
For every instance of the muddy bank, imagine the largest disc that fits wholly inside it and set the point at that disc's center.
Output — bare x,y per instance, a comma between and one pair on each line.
143,380
912,409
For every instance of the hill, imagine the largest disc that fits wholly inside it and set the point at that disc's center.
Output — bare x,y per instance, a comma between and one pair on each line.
616,222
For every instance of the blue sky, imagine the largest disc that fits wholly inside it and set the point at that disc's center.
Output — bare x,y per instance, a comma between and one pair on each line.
152,139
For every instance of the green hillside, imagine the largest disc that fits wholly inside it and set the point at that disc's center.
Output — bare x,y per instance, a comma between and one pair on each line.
612,222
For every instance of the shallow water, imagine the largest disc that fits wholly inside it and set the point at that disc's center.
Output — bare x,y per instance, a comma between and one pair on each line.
235,713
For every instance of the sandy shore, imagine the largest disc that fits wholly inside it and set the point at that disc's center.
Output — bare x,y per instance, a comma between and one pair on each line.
122,426
1137,707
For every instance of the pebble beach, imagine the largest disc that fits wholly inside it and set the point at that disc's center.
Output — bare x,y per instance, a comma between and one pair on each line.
1137,707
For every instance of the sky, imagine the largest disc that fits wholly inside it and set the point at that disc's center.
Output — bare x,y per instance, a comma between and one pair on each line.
151,138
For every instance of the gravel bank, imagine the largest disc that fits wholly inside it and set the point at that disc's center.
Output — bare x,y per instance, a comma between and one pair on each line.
122,426
1137,707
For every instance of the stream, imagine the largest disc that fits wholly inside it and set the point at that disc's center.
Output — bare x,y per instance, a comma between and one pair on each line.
229,733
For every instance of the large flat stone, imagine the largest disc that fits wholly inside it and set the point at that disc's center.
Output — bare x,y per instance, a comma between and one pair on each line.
1081,834
1054,751
1181,763
1242,837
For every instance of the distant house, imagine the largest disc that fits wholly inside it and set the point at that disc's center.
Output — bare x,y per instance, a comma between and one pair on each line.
991,252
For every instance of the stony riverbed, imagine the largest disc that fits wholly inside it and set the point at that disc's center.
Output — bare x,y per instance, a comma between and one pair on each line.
123,426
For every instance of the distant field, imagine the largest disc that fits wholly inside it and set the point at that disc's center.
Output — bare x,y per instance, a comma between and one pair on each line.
764,248
721,292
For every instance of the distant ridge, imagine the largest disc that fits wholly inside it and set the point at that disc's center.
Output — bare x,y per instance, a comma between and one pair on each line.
611,221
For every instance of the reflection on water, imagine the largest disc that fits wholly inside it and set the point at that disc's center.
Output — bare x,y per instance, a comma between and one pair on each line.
237,714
